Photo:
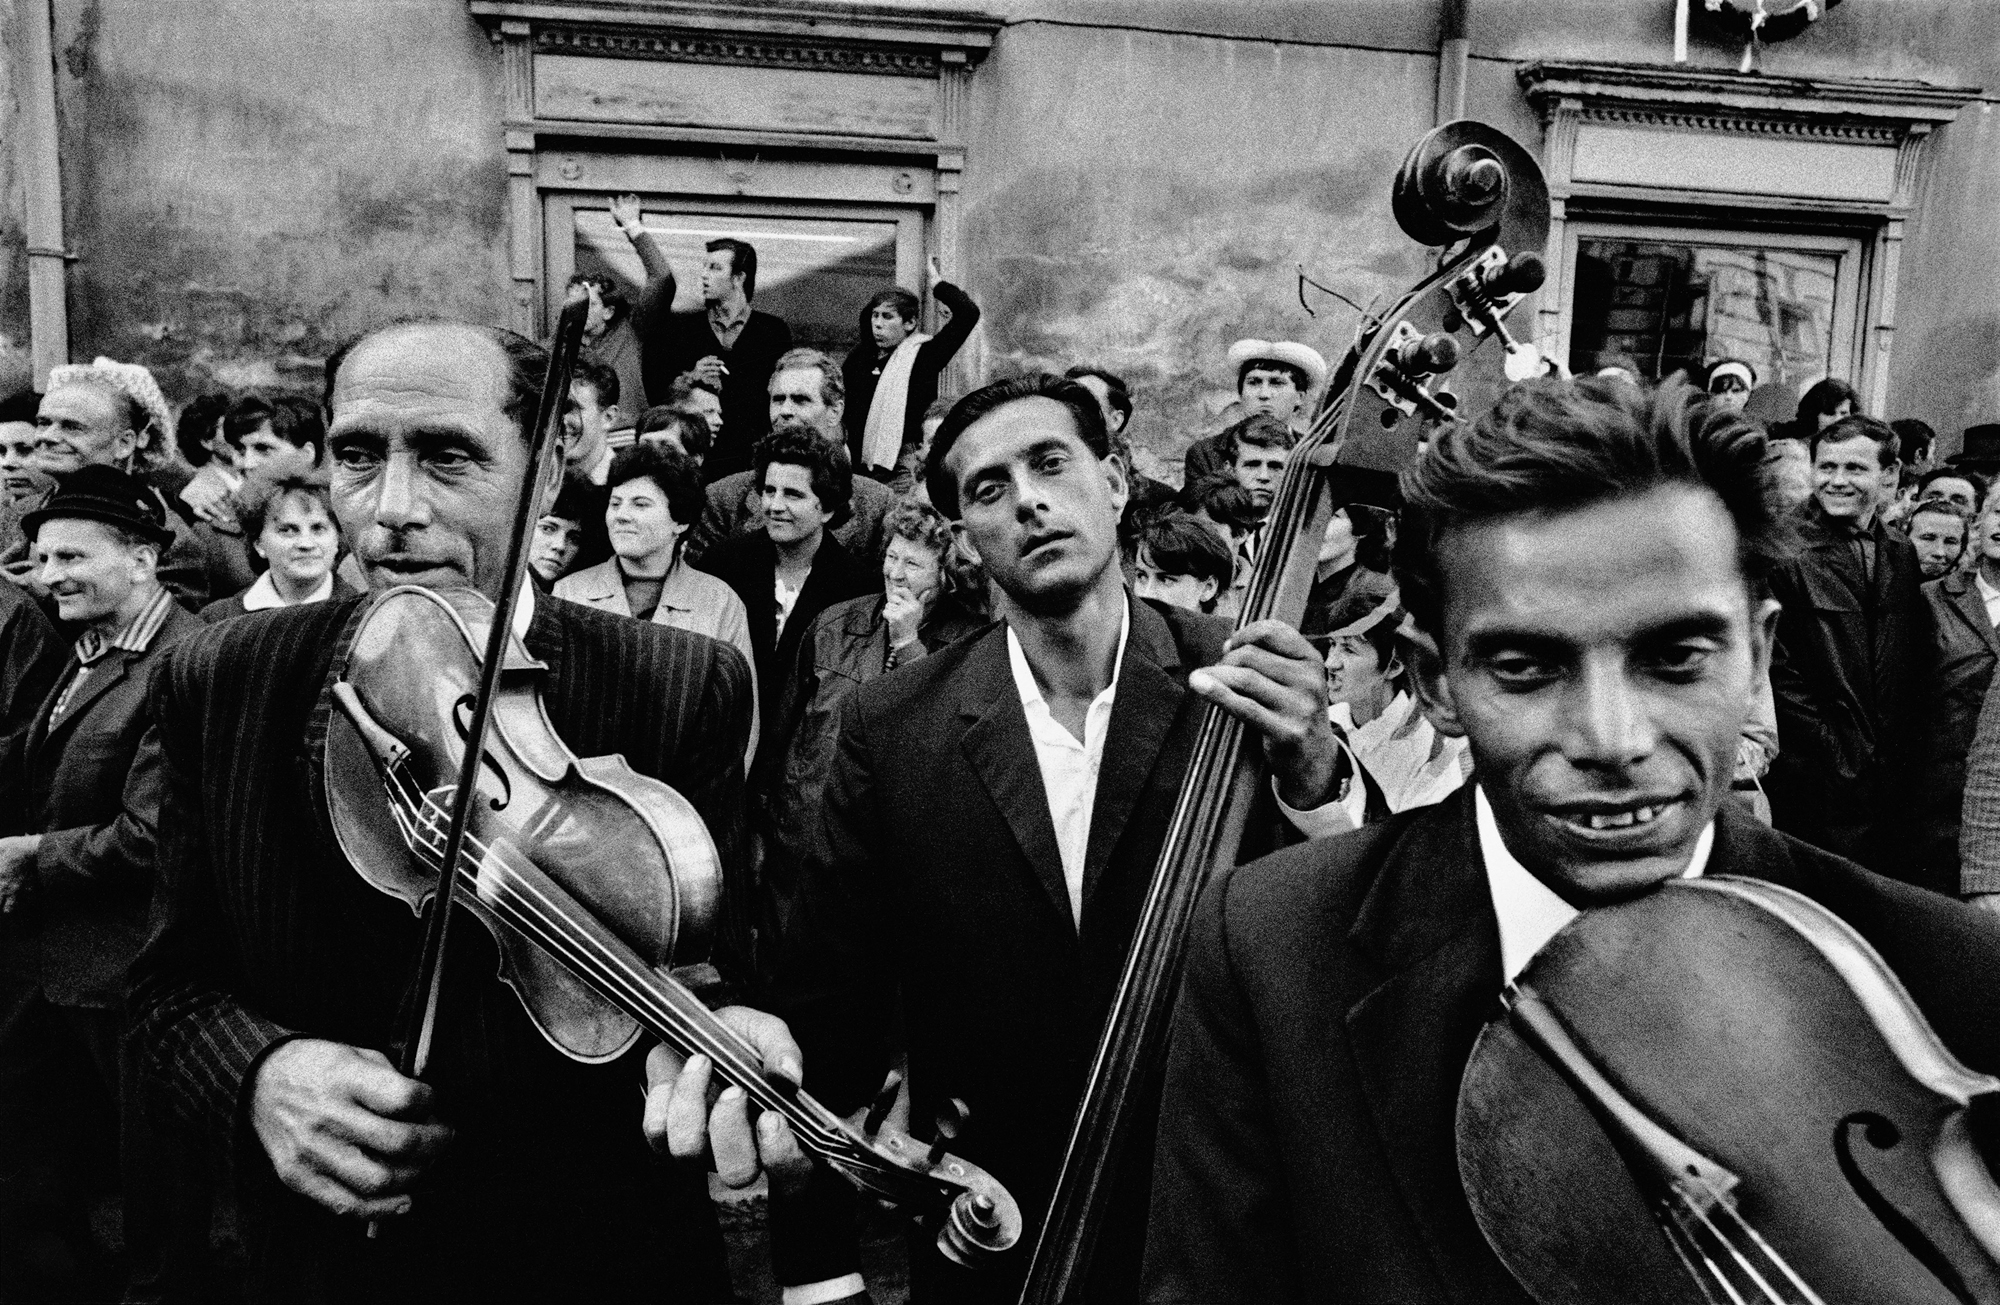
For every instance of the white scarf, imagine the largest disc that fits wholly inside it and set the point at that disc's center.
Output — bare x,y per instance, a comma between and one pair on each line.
882,436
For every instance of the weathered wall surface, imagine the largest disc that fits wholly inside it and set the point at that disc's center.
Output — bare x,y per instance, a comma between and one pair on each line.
248,181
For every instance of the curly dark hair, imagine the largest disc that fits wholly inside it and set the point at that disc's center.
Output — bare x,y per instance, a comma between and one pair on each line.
1552,445
673,471
825,460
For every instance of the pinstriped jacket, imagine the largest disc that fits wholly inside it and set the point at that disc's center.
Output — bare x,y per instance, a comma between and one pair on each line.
261,932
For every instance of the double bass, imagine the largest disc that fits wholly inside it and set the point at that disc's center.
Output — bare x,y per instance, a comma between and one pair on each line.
1477,197
449,789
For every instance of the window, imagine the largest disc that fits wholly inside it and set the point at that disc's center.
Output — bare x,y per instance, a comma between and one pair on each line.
816,264
1677,299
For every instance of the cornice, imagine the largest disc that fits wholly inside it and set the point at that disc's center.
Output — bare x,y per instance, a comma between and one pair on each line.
804,54
813,23
1740,101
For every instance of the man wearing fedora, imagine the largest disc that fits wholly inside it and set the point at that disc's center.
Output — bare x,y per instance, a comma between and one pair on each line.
1273,377
1981,450
73,899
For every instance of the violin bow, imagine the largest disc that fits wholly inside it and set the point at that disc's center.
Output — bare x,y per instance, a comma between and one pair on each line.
413,1058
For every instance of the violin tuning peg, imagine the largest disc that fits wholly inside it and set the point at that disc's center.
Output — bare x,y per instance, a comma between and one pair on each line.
949,1121
1522,274
884,1102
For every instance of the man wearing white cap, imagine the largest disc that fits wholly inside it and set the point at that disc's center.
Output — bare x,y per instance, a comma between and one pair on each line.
1272,376
112,414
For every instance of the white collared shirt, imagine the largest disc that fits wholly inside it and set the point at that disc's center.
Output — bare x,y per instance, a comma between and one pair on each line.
1991,597
1528,910
263,595
1069,767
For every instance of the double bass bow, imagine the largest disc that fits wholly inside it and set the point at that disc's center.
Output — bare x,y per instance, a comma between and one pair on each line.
1718,1091
1476,195
449,789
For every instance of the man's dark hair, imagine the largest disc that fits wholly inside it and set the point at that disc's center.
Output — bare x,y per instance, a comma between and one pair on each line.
1083,410
687,426
825,461
1551,445
1300,380
196,424
1177,544
577,499
609,293
742,258
257,504
293,418
527,362
1821,400
602,380
1223,501
1970,477
674,472
685,385
1116,392
1848,428
1914,438
896,297
23,405
1259,430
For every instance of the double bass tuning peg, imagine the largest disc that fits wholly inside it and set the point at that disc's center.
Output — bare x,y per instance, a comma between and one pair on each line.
885,1101
950,1121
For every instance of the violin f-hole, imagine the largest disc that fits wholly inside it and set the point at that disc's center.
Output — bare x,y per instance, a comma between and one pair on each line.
1881,1135
461,720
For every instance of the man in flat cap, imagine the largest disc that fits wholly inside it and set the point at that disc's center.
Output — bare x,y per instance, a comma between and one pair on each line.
1272,377
73,898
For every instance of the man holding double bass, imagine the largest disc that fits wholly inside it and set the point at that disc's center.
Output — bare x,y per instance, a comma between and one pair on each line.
1588,564
266,1003
994,814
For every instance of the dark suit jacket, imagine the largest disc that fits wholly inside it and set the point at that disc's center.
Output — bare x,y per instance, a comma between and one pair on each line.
31,656
1848,675
863,371
262,931
1332,996
93,791
1964,654
936,882
748,565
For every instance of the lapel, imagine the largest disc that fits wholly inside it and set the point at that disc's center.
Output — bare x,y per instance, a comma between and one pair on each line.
1428,922
110,670
600,587
1149,696
1002,754
1971,608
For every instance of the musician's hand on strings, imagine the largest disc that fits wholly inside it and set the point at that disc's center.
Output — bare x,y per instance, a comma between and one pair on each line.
680,1121
1274,681
342,1127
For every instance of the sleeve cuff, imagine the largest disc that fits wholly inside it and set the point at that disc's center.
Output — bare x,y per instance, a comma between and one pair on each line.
1336,817
823,1293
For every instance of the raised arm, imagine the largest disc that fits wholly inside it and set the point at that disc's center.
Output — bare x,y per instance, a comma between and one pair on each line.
657,299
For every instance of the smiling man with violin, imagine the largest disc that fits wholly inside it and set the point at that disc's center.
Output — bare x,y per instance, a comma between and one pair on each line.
994,814
1588,564
267,1004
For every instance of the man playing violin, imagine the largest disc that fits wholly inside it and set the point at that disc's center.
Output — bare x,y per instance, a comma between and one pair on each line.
994,814
1588,568
266,1001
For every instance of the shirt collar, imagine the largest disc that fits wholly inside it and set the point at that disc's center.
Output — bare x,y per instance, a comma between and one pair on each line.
729,323
263,595
1529,911
1024,674
135,637
1986,591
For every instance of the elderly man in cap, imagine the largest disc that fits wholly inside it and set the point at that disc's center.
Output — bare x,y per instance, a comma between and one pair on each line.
112,414
1273,377
74,893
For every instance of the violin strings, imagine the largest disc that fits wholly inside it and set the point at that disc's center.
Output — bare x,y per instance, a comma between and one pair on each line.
1770,1253
1729,1245
1682,1243
610,969
1715,1271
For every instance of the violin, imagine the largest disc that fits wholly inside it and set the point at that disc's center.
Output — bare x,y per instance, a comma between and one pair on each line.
593,879
448,786
1719,1092
1474,193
